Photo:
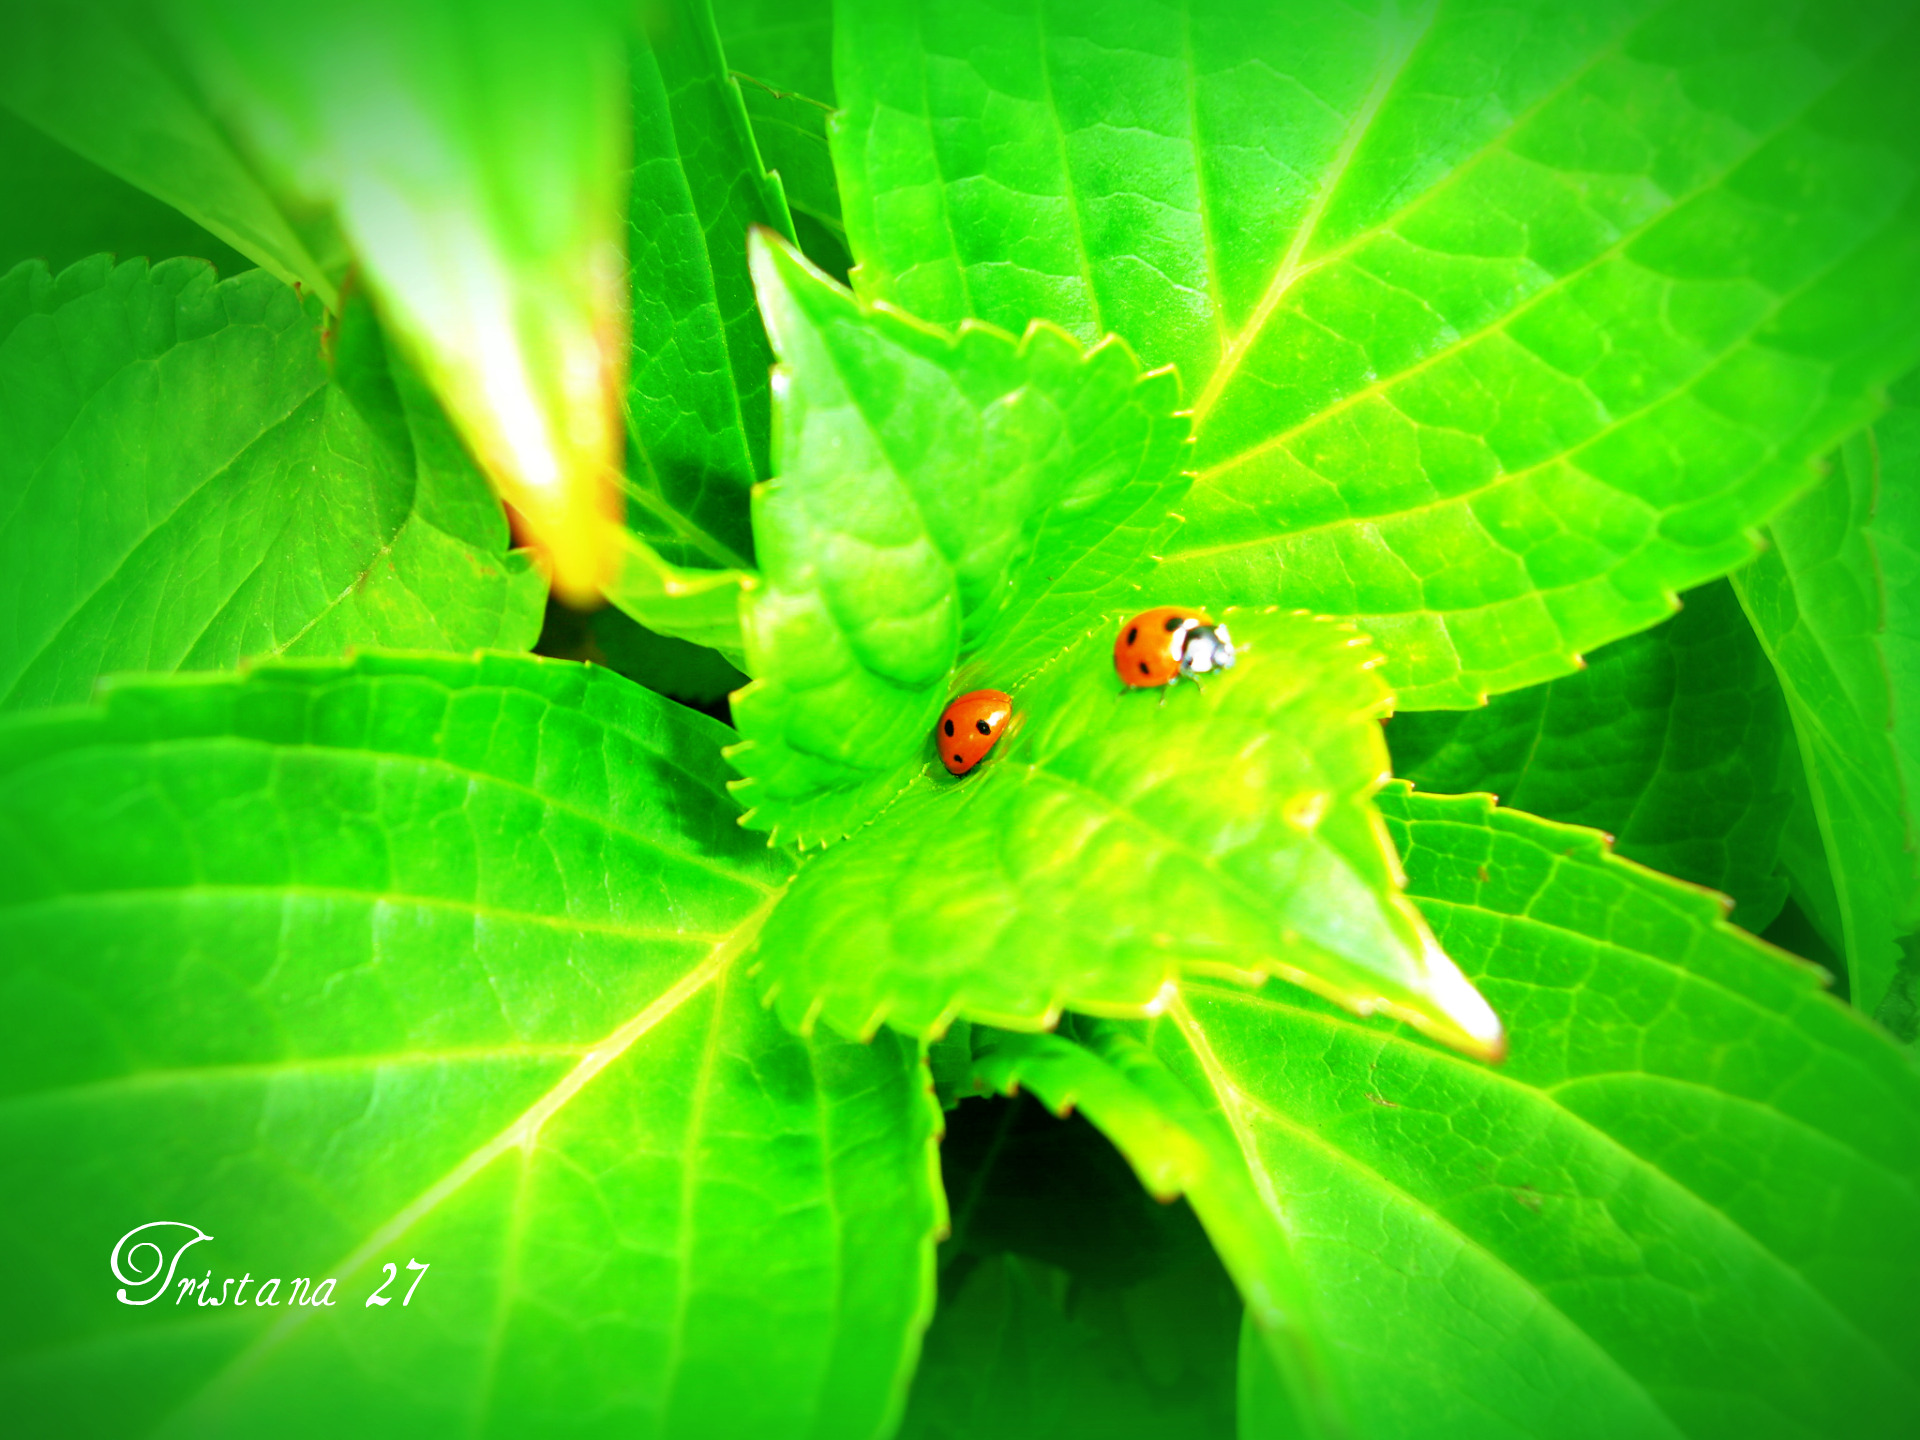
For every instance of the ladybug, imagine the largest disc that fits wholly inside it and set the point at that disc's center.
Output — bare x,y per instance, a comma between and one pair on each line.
1158,646
971,726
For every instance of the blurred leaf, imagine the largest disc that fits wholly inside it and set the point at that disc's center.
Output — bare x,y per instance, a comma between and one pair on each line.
1675,741
186,484
415,957
62,207
473,153
947,512
1503,323
1112,845
107,78
1818,603
1023,1354
698,413
1681,1207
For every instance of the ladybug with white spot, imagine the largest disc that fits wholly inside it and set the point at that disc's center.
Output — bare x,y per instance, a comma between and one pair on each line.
1156,647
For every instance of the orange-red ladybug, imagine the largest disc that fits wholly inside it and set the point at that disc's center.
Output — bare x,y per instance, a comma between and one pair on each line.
970,727
1158,646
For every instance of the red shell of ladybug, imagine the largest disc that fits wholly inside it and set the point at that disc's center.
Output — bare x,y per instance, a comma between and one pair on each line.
1158,646
970,727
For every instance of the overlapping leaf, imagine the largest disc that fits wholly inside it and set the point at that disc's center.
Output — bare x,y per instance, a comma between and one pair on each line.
698,408
1669,1211
106,78
417,958
1676,742
782,50
1503,324
63,207
1817,602
473,153
185,483
946,511
1112,845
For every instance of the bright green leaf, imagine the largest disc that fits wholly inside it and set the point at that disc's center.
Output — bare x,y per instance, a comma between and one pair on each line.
421,958
1679,1208
947,513
1503,323
699,606
105,78
185,484
698,407
474,153
1112,845
61,207
1817,603
1675,741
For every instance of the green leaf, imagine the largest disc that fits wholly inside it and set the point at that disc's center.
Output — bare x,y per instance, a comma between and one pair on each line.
474,153
1675,1210
947,513
698,407
422,958
1022,1353
1113,845
1177,1148
106,78
1675,741
1817,603
782,53
185,484
787,44
62,208
1503,324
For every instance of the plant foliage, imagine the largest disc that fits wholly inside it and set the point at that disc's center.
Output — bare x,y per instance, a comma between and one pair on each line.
863,354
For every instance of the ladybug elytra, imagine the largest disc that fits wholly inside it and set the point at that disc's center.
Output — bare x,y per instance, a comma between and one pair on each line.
1158,646
971,726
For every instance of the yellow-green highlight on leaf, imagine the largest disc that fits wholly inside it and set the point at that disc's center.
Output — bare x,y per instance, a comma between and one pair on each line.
473,153
1113,846
947,511
188,481
421,957
1818,601
1504,324
109,80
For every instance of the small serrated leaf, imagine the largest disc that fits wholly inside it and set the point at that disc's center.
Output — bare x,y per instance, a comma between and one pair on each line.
944,506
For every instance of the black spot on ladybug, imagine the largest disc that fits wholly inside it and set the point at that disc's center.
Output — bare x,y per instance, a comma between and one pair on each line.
1143,668
958,758
949,727
1133,633
983,727
1174,622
